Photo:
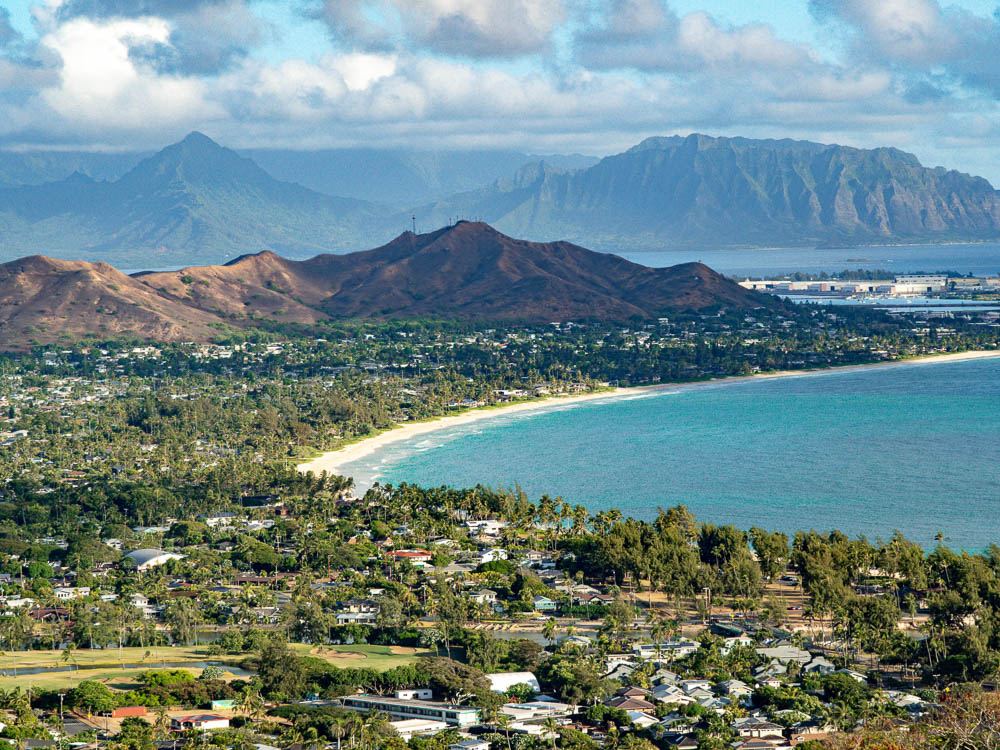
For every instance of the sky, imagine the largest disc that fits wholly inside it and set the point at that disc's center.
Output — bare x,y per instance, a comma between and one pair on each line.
542,76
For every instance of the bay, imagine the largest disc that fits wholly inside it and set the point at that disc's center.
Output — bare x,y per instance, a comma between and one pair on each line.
913,447
981,259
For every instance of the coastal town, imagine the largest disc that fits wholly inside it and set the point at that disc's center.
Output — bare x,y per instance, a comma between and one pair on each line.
167,577
471,619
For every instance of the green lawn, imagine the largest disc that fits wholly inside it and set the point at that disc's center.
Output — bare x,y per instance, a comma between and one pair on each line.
362,655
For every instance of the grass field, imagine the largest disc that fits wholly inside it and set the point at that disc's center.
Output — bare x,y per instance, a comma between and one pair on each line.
105,664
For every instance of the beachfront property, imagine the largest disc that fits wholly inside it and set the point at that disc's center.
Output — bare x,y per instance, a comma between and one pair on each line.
460,716
544,604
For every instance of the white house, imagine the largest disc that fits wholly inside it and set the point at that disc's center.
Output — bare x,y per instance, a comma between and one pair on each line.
491,554
484,596
199,721
66,593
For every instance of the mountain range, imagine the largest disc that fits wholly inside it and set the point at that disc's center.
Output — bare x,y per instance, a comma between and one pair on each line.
196,202
465,271
700,191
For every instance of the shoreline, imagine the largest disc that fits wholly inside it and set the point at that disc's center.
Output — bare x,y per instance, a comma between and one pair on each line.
331,460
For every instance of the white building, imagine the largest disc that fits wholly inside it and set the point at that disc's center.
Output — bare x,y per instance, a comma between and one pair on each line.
151,558
501,682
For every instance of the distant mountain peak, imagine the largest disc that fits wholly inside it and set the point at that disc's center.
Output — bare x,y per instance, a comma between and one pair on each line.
197,138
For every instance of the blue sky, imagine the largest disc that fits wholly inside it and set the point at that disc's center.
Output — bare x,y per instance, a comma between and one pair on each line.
592,76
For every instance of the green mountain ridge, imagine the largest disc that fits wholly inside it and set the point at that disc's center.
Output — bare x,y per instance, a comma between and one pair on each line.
196,202
701,191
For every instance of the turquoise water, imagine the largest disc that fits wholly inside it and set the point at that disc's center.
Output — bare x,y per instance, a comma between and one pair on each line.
914,447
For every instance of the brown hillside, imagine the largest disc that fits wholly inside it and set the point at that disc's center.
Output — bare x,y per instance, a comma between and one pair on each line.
47,301
263,285
467,271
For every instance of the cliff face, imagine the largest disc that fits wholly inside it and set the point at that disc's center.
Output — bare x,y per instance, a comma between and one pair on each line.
703,191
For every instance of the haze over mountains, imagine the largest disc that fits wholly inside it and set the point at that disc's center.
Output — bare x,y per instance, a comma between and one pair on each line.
197,202
466,271
701,192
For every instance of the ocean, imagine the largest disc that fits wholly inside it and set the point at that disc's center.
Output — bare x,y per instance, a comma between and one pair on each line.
979,259
913,447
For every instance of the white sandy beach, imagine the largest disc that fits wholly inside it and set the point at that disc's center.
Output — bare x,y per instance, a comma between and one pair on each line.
329,462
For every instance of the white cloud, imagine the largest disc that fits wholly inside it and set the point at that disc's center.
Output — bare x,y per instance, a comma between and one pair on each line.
644,34
359,71
100,84
466,28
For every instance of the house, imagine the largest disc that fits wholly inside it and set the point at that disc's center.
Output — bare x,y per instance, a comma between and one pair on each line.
199,721
544,604
819,665
773,669
484,596
668,649
632,692
576,640
621,671
613,660
728,644
219,519
665,675
631,703
755,727
681,741
641,719
771,682
587,597
690,686
358,611
78,592
487,527
489,555
666,693
411,555
734,688
715,703
762,743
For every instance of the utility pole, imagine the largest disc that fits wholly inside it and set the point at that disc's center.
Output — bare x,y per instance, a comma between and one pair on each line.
414,219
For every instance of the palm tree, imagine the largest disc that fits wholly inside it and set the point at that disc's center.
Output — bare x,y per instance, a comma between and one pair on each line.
161,724
552,729
549,629
251,703
69,655
337,730
503,722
